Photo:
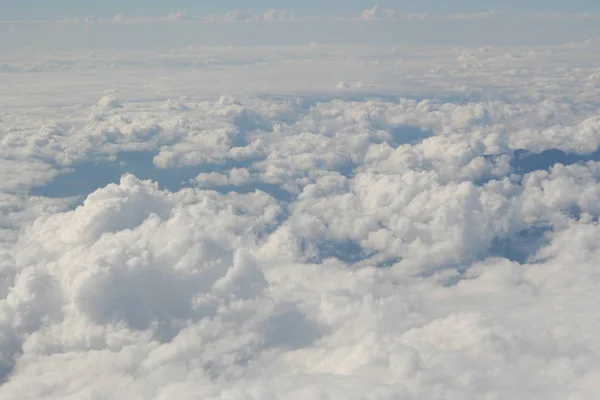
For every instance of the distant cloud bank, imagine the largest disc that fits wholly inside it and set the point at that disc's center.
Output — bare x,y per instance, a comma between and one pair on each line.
374,13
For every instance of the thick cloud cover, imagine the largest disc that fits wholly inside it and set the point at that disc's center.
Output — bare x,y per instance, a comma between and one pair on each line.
400,236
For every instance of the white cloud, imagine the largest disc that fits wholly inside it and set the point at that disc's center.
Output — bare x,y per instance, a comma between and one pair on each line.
277,15
314,242
181,14
378,12
241,15
237,15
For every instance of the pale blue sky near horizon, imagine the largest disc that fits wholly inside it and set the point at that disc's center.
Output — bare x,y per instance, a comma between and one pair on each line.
57,9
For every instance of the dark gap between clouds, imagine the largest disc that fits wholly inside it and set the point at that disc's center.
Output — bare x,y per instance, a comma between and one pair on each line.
88,177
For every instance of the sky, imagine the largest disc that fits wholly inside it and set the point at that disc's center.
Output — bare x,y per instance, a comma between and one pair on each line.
41,9
133,25
254,206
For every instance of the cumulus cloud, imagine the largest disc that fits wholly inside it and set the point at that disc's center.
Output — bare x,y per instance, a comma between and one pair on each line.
184,15
160,241
277,15
179,15
378,12
241,15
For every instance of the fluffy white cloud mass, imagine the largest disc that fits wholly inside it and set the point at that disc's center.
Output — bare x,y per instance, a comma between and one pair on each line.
426,230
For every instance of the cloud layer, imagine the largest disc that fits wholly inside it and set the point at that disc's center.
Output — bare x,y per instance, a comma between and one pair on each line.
373,26
427,229
375,13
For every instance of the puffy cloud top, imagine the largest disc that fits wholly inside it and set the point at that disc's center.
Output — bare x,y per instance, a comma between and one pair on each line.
181,14
158,242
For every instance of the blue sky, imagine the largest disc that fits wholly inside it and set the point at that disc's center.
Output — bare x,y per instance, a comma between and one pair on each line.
56,9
